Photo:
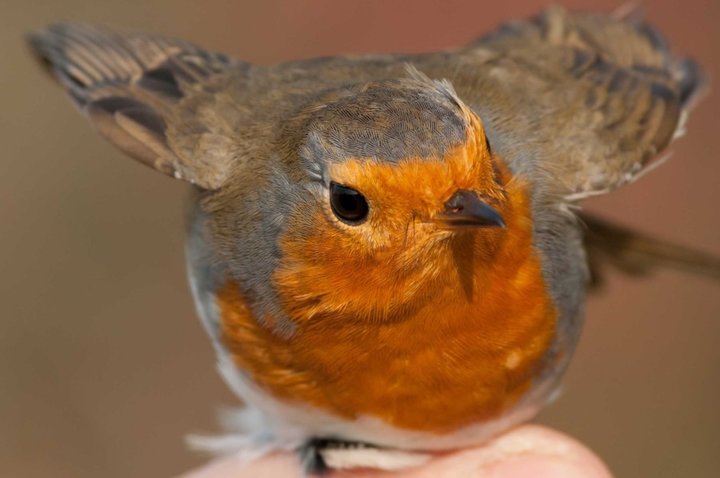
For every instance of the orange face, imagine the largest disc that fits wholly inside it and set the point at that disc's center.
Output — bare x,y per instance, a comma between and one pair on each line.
400,316
391,260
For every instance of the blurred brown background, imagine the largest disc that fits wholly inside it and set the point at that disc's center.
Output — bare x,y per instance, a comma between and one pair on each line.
103,365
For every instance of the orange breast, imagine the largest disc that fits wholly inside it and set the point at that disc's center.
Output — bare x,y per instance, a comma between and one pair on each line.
463,357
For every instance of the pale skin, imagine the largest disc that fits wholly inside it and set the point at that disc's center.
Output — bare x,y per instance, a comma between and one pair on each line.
526,451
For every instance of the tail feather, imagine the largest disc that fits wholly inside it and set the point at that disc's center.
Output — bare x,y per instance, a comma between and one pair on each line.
636,253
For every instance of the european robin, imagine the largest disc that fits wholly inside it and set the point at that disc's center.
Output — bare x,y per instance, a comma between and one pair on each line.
386,250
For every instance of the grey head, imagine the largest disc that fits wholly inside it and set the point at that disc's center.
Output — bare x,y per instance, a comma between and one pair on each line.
387,120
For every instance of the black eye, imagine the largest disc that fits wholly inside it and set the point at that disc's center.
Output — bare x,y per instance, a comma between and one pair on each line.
348,205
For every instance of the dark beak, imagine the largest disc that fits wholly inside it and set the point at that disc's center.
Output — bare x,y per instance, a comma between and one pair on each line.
466,209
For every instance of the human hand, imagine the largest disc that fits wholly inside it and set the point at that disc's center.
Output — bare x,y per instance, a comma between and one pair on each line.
526,451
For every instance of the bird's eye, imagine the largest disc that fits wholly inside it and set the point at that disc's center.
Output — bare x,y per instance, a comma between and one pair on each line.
348,205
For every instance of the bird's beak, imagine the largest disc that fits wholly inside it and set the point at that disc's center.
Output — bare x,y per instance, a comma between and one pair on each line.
466,209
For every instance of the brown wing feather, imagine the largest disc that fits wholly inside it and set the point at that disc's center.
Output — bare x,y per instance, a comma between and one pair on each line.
140,91
605,92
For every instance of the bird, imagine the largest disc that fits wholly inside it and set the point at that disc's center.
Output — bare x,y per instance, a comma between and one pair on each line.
388,252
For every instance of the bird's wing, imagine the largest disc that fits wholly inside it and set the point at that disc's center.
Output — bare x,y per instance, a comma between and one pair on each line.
592,98
153,97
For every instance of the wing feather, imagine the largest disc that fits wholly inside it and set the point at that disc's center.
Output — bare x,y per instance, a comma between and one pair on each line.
594,97
141,92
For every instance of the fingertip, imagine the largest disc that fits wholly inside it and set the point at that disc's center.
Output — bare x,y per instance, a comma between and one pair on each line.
529,450
544,467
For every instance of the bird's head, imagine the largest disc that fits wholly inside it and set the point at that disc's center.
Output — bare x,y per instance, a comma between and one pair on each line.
403,196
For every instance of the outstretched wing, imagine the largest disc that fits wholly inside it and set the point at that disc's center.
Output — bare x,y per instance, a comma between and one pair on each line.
593,97
153,97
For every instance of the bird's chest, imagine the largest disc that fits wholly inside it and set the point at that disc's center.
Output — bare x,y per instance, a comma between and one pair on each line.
451,362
